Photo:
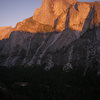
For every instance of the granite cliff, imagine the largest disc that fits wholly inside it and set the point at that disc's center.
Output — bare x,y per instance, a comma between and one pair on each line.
61,33
61,14
5,32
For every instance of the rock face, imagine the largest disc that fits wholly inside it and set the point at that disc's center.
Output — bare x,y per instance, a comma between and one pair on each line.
52,49
5,32
66,33
32,47
51,9
45,16
30,25
84,15
57,15
78,15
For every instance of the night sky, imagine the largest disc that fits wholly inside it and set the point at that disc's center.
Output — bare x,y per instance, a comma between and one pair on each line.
13,11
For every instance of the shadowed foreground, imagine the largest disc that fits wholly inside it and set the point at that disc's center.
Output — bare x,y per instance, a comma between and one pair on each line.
30,83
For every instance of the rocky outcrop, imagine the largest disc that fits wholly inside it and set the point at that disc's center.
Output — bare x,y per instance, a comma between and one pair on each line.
57,15
5,32
30,25
79,17
83,15
50,10
44,17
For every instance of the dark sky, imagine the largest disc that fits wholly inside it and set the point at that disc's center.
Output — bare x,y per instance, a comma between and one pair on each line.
13,11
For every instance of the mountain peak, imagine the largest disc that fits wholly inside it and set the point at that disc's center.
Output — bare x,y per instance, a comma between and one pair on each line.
68,1
51,9
59,15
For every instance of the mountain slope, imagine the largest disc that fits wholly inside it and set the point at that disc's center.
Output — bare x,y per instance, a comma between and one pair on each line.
52,49
70,38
